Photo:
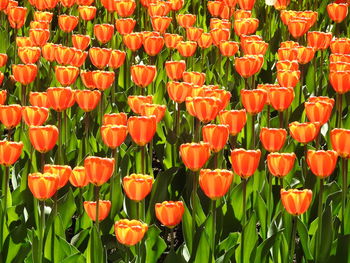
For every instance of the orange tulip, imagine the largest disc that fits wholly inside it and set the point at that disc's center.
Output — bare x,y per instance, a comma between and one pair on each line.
135,102
171,40
10,115
193,33
100,56
158,9
175,69
220,23
254,47
281,98
3,59
245,26
288,78
129,232
235,119
218,35
148,109
170,213
86,78
24,74
39,36
287,65
132,41
49,51
221,94
143,75
339,140
206,108
228,48
253,100
43,16
67,3
10,152
64,55
322,163
3,95
186,48
195,155
153,45
113,135
273,139
43,186
280,164
62,171
16,16
246,4
249,65
298,27
87,99
102,80
103,32
189,106
281,4
125,25
215,8
160,23
117,59
39,25
3,4
98,169
340,81
337,12
295,201
137,186
103,209
109,5
39,99
304,132
115,119
287,53
29,55
241,13
34,116
125,8
319,111
179,91
319,40
196,78
78,177
142,129
215,183
85,2
305,54
43,138
186,20
245,162
66,76
79,58
216,136
340,46
67,23
147,34
81,41
60,98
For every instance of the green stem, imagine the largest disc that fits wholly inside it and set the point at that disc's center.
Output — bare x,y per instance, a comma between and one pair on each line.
253,131
268,115
197,132
339,110
172,246
344,191
143,153
193,200
294,233
87,124
59,117
213,207
280,113
5,185
244,190
42,155
319,213
97,199
41,231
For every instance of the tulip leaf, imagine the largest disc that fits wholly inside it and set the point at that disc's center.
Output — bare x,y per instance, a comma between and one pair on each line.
304,239
155,245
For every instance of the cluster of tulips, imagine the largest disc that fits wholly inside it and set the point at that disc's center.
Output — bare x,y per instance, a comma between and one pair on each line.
94,66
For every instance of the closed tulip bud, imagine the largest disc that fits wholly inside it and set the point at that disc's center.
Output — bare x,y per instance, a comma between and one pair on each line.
295,201
49,51
337,12
158,9
153,45
129,232
160,23
81,41
87,99
322,163
84,2
288,78
319,111
171,40
216,136
280,164
67,3
43,138
195,155
298,27
113,135
189,106
43,186
245,162
142,129
228,48
253,100
289,45
281,98
2,76
133,41
339,140
64,55
215,8
125,25
235,119
179,91
16,16
186,20
109,5
10,115
24,74
135,102
39,99
103,209
10,4
305,54
281,4
60,98
43,16
147,34
78,177
66,76
340,81
215,183
34,116
186,48
148,109
196,78
29,55
175,69
98,169
137,186
304,132
206,108
100,56
86,78
10,152
340,45
62,171
170,213
3,96
125,8
67,23
249,65
103,32
143,75
245,26
273,139
319,40
115,119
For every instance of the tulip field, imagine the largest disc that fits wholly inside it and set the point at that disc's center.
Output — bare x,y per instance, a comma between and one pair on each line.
174,131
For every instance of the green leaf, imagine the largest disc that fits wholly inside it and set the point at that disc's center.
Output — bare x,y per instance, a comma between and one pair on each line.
155,245
304,239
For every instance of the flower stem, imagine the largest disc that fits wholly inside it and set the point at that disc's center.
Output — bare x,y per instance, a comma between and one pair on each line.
97,199
143,148
5,185
280,113
213,207
193,200
41,231
344,191
339,109
294,233
172,246
244,190
319,213
59,117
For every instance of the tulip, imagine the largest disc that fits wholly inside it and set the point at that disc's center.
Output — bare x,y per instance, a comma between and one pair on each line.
215,183
78,177
196,78
87,99
129,232
273,139
319,111
102,80
81,41
195,155
205,40
219,35
179,91
296,202
235,119
39,99
49,51
221,94
109,5
193,33
137,186
245,26
117,59
133,41
228,48
305,54
215,8
249,65
281,98
253,100
206,108
64,55
322,163
63,172
100,56
148,109
10,152
171,40
43,16
287,53
60,98
254,47
175,69
98,169
220,23
3,95
103,32
143,75
245,162
158,9
170,213
246,4
216,136
142,129
43,138
337,12
16,16
287,65
66,76
186,20
39,37
3,4
115,119
3,59
67,23
339,140
319,40
10,115
186,48
288,78
113,135
34,116
304,132
79,58
160,23
125,25
2,76
103,209
135,102
241,13
29,55
43,186
340,46
24,74
280,164
281,4
340,81
298,27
